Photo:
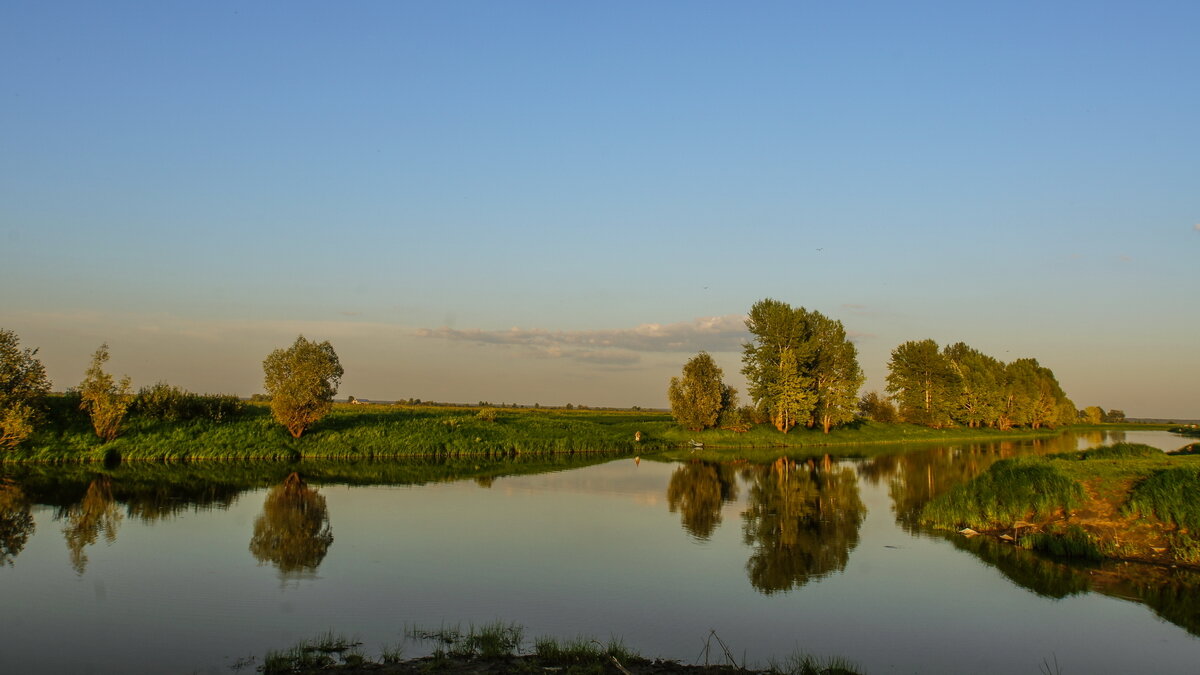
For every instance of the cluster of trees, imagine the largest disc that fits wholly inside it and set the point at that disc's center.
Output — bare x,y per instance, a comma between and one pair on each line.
800,366
300,380
1094,414
959,385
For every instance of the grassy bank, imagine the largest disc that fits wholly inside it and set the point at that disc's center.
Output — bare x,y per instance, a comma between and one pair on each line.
365,432
501,647
1124,502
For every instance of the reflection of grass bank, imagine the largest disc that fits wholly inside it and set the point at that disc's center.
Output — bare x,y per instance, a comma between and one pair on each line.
1127,501
501,648
156,489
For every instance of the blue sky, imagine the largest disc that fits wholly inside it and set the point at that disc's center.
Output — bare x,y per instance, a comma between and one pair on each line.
562,202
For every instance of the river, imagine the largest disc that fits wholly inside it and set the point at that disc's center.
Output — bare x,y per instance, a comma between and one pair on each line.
187,568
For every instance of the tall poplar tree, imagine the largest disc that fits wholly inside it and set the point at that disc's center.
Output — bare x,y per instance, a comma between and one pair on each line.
772,362
923,383
835,372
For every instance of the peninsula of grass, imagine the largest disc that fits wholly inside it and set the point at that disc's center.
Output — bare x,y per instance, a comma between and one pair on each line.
1126,502
375,431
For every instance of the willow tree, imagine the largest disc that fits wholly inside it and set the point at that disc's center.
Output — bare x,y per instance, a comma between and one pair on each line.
698,398
302,381
104,399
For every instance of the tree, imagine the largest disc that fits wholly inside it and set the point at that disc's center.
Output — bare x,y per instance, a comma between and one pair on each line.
923,383
772,362
835,372
699,396
1093,414
790,396
980,379
302,381
105,400
877,408
1114,415
23,385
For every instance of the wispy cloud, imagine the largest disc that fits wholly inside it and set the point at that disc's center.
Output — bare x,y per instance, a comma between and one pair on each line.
613,346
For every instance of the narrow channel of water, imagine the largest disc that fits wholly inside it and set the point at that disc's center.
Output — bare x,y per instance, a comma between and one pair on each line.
138,570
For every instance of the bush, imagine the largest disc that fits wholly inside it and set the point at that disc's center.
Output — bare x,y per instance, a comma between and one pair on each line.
487,414
1010,491
172,404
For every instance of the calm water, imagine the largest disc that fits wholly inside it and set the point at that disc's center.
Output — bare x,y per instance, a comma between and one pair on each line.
169,569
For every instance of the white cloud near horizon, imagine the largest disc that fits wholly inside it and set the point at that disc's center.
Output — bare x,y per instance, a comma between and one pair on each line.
616,347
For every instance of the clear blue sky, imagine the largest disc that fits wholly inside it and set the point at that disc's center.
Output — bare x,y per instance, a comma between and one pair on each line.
501,200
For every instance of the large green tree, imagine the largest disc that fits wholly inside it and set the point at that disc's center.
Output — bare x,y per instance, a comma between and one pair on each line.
23,384
923,383
105,399
771,362
698,397
835,372
800,365
302,381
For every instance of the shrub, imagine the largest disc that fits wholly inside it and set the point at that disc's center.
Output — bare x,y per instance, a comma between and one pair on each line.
1011,490
1170,495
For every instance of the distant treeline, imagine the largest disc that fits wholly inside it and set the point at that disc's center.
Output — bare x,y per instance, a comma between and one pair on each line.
960,385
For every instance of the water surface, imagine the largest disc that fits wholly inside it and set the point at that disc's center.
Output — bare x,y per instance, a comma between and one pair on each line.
156,569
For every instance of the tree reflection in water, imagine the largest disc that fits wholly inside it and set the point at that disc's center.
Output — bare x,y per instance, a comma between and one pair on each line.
293,532
95,514
16,521
802,521
697,491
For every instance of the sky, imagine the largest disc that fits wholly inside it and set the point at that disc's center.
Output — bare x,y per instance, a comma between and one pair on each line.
546,202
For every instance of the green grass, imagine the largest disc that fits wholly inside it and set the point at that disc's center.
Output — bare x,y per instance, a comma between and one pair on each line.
1012,490
325,652
1074,542
1121,451
357,432
500,647
1171,495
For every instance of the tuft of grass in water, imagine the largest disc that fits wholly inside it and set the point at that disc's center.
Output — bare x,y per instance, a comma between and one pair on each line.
806,664
390,654
1010,491
1169,495
496,640
323,652
582,651
1075,542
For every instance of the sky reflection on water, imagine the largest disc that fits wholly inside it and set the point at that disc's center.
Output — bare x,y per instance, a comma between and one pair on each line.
773,557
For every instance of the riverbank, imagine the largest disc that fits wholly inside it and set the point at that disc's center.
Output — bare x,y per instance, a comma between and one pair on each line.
1124,502
500,647
364,432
